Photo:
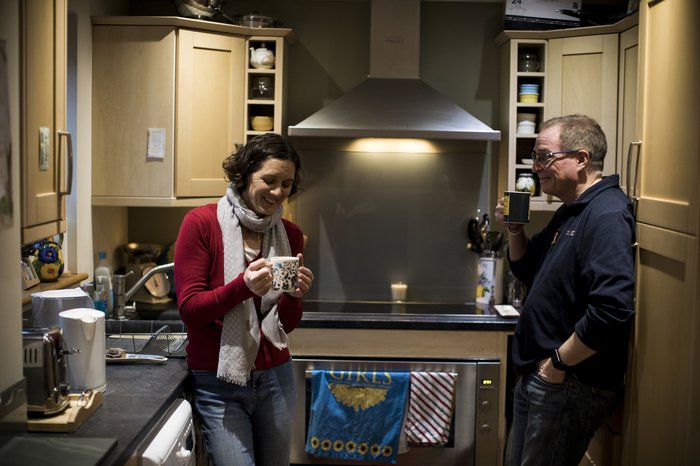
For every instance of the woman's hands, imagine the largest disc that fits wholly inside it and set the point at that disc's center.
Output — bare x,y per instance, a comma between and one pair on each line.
258,277
305,279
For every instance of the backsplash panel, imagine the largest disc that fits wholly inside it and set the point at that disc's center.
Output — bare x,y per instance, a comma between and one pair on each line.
373,219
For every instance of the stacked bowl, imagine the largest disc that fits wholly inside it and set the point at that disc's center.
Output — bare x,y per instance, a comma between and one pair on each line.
526,123
529,93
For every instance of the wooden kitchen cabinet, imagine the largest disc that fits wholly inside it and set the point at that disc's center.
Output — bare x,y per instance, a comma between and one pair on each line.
662,402
582,76
170,103
669,120
182,86
579,73
663,378
517,147
272,102
45,146
627,108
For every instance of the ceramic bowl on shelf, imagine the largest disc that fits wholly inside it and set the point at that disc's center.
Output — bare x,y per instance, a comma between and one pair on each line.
526,117
261,123
529,88
526,127
528,98
529,162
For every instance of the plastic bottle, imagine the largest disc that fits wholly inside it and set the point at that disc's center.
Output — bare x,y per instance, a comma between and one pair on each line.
103,275
100,297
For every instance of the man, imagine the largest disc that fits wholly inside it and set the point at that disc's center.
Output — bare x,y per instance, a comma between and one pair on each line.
570,344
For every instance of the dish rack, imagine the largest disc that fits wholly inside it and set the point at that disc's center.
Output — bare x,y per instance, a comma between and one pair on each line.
162,342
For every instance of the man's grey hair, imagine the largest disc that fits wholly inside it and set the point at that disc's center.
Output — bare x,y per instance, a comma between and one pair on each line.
581,132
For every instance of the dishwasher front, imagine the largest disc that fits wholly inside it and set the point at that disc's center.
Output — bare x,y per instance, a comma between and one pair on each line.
474,430
172,440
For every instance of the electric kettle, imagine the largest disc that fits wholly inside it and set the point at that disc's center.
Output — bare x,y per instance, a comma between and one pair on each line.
84,331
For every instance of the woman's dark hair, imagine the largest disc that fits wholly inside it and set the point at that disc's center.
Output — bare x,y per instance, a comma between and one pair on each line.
249,159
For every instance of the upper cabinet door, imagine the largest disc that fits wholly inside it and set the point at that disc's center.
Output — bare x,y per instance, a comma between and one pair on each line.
45,146
210,94
133,95
167,110
582,78
669,103
627,107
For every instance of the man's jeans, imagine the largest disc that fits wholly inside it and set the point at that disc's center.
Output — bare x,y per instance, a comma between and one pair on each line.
246,426
553,423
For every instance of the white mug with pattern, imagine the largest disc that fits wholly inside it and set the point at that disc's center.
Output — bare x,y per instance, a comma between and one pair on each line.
284,272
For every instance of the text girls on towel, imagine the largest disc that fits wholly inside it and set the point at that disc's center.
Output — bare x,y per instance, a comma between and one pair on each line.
357,415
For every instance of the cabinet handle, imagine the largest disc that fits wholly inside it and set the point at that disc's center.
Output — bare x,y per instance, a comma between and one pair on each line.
631,184
69,162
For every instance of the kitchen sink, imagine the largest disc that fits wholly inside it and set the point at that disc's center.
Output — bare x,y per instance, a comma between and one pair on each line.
159,311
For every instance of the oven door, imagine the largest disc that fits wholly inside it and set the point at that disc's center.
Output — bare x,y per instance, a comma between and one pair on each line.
474,439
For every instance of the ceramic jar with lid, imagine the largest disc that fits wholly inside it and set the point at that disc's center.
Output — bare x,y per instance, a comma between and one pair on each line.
526,183
262,58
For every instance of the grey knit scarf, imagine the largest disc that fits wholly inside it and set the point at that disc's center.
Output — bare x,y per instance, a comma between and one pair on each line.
240,338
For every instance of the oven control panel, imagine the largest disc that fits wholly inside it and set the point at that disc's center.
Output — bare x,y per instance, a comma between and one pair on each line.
486,416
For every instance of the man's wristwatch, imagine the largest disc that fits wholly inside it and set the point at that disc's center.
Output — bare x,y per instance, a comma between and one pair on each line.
557,362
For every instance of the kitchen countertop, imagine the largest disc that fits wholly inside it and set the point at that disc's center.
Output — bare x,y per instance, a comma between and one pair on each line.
136,398
368,315
403,316
138,395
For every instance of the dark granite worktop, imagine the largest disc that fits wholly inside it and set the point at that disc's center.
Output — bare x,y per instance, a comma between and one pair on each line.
136,398
369,315
139,395
403,316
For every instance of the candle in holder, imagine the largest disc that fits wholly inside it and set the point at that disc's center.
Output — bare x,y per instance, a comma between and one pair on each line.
398,292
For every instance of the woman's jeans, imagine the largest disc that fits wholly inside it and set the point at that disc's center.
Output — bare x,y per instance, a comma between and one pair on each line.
553,423
246,426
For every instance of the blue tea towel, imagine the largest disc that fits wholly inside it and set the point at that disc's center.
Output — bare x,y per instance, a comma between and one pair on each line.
357,415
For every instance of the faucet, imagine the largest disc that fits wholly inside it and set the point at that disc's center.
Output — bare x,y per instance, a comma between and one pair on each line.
122,296
142,281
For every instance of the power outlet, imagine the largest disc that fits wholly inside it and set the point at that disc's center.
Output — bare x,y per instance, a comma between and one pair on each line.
44,147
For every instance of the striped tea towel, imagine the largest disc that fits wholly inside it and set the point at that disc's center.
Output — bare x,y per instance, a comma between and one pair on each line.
430,408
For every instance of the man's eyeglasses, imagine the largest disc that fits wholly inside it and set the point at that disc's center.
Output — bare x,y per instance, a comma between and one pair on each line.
547,158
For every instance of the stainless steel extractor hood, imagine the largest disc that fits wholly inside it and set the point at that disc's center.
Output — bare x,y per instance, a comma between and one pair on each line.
393,102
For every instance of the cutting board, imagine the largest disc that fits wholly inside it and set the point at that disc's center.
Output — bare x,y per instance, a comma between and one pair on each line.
81,407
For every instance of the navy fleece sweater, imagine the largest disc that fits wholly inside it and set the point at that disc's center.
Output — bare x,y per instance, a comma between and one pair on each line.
580,274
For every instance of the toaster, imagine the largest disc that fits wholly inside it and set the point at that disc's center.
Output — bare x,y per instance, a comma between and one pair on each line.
45,370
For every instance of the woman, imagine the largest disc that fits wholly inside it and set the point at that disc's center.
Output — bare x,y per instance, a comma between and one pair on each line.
237,324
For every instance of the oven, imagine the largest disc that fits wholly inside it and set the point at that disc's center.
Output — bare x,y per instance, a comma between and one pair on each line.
474,431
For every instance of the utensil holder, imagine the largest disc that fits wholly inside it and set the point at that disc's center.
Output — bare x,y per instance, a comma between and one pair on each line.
489,286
